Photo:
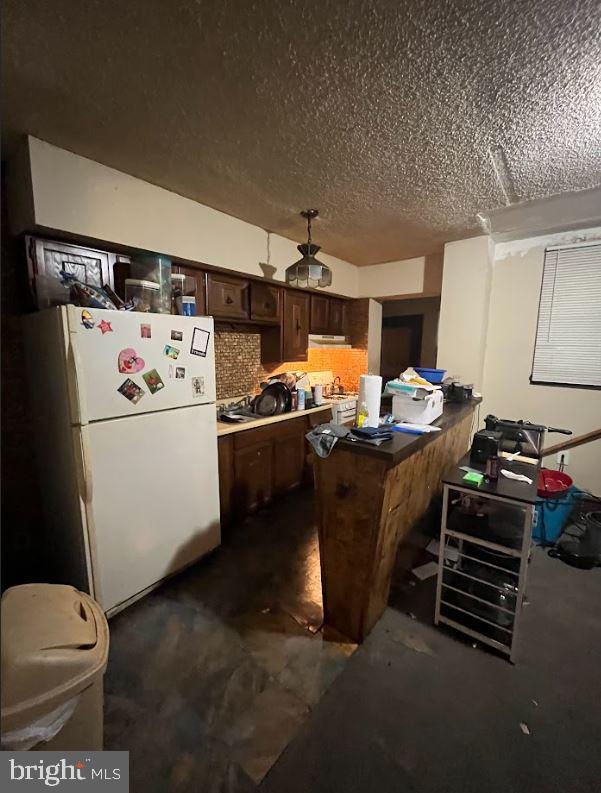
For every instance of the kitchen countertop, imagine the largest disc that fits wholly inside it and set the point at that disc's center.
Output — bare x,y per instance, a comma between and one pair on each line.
224,428
403,445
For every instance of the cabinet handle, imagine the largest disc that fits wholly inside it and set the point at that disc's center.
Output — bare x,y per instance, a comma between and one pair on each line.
298,326
228,300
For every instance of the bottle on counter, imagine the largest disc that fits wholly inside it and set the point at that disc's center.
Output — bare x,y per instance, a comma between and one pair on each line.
493,466
362,414
300,403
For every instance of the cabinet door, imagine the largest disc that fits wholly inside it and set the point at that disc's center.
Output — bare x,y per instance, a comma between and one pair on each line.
225,450
195,284
227,296
295,326
336,318
253,473
265,302
289,457
46,259
320,311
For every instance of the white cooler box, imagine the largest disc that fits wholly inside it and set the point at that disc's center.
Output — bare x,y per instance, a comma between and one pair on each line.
418,411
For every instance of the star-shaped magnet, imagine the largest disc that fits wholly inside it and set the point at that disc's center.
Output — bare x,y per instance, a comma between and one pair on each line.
105,326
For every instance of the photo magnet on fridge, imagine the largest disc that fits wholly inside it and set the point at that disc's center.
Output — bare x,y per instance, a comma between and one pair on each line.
153,381
171,352
129,362
180,372
198,387
145,331
177,335
200,342
131,391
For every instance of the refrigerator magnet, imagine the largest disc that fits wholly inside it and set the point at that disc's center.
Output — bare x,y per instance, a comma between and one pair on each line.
171,352
177,335
105,327
129,362
153,381
198,387
131,391
87,320
145,331
200,342
180,372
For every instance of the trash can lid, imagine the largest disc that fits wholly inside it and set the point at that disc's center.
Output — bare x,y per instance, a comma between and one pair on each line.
54,642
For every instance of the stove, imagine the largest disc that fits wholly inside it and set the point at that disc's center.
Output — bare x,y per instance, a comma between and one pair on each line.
344,408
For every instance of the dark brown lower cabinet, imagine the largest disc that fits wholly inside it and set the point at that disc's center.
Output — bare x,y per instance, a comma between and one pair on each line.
288,458
256,465
253,477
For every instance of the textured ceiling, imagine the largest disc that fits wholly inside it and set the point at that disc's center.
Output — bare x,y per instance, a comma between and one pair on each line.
401,121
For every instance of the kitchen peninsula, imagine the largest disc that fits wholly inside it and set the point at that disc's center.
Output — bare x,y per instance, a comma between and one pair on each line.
368,500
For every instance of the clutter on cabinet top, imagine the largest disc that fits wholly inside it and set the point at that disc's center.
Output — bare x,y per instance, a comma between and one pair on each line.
156,269
84,294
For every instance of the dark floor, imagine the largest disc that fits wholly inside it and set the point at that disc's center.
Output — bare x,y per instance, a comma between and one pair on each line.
210,678
212,675
418,709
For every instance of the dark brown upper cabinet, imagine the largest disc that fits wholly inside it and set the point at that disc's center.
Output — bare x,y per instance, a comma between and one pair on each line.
46,259
265,302
320,313
228,296
295,326
337,317
195,284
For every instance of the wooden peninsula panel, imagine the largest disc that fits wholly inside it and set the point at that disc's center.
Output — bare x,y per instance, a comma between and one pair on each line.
368,499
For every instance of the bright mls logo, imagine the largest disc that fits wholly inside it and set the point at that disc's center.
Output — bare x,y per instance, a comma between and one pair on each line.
81,771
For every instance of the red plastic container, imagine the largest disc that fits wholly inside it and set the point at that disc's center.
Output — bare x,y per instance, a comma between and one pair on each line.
552,484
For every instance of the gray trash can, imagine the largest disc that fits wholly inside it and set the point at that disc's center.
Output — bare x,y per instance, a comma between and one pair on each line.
55,643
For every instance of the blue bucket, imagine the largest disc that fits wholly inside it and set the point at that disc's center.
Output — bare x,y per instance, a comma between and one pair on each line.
433,376
552,515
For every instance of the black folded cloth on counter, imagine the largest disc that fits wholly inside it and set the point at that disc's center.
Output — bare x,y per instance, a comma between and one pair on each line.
373,435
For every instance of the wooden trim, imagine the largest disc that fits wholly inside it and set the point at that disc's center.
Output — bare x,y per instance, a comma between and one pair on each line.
579,440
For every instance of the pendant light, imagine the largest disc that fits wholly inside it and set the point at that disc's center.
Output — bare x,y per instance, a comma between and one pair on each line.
308,271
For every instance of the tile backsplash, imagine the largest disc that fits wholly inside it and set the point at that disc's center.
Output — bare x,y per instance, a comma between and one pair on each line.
239,369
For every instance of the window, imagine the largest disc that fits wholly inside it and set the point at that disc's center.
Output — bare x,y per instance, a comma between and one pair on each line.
568,335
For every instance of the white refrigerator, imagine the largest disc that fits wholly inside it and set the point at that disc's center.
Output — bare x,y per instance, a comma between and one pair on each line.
123,408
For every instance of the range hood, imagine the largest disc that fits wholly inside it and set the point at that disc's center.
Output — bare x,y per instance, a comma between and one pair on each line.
323,341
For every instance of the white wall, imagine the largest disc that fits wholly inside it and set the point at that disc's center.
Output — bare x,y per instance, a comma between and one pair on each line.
487,329
463,321
374,337
516,282
391,279
80,196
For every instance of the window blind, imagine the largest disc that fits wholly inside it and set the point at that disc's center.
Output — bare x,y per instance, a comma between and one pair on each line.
568,335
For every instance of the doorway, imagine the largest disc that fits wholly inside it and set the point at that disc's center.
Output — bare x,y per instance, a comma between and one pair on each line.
401,344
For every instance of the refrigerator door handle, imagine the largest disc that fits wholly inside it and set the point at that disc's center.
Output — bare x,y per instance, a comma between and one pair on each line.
86,481
86,490
77,383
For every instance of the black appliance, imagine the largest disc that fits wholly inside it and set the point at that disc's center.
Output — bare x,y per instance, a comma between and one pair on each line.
457,392
485,444
520,436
